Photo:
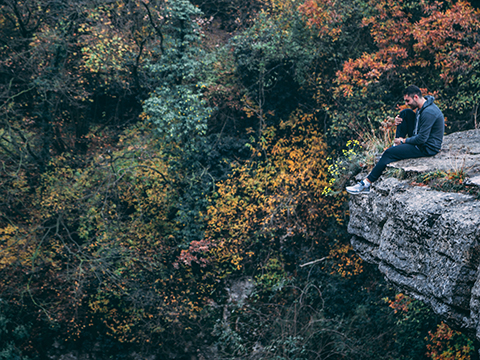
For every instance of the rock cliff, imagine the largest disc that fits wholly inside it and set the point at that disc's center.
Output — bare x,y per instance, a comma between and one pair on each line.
427,242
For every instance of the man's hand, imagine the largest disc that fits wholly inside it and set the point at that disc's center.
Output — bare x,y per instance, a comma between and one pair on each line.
398,120
398,141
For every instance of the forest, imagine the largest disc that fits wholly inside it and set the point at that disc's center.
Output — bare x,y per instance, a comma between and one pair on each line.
172,174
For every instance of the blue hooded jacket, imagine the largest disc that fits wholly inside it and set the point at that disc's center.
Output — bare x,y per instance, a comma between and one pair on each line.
430,128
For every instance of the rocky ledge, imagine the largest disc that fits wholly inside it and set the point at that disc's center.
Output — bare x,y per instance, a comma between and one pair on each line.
427,242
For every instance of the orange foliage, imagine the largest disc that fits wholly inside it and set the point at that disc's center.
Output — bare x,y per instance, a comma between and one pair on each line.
447,344
451,36
275,195
323,15
401,303
346,262
444,38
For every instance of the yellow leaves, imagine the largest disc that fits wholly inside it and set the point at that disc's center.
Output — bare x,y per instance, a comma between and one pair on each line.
291,164
236,260
13,247
9,230
59,188
99,305
347,263
104,53
281,194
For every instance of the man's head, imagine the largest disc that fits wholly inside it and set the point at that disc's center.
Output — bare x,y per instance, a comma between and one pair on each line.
413,97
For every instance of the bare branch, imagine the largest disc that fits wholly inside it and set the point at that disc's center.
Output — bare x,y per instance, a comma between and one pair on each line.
314,262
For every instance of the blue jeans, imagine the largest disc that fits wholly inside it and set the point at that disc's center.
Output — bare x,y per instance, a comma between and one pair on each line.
395,153
400,152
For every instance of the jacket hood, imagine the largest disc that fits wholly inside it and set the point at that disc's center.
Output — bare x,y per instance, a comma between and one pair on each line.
429,101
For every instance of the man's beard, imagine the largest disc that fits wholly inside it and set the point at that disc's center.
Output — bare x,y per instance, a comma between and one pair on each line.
414,106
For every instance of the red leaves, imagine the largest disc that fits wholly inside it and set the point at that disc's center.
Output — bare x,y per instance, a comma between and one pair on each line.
401,303
194,252
324,15
447,32
365,70
451,36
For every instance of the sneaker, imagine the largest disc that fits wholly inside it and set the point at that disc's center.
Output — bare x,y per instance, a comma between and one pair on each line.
359,188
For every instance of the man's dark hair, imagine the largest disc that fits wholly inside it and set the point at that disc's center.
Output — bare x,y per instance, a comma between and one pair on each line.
413,90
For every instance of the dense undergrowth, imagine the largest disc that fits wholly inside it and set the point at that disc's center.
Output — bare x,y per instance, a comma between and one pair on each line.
156,154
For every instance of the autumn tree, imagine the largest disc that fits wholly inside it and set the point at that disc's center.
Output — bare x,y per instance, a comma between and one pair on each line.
431,44
74,187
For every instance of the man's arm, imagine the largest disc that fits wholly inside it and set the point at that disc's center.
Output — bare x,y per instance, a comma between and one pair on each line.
398,140
405,121
427,119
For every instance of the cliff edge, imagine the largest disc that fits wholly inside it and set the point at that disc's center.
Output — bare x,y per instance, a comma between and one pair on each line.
424,241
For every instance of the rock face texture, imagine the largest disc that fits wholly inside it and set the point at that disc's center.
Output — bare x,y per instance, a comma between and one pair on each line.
427,242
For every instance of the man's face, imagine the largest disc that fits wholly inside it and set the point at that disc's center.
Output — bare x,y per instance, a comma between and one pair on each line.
412,101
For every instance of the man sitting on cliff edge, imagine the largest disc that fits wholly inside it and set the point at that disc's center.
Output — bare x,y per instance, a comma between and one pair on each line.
424,128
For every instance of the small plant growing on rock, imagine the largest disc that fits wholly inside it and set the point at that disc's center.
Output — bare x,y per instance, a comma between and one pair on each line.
440,180
375,142
349,164
396,173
